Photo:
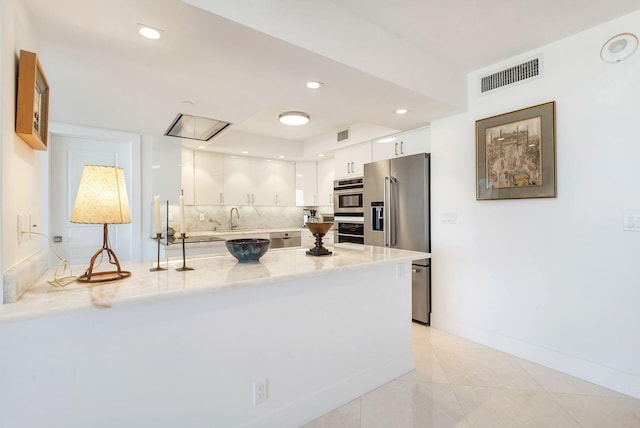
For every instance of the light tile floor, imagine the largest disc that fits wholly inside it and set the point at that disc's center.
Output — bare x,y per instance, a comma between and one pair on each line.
459,383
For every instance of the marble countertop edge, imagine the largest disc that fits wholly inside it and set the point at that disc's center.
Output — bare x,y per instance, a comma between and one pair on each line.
210,275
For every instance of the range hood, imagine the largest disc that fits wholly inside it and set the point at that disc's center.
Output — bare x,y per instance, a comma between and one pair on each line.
195,127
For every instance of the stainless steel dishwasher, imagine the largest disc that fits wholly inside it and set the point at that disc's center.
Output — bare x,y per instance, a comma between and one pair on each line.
285,239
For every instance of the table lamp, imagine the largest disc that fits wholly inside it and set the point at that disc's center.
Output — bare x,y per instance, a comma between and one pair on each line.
102,199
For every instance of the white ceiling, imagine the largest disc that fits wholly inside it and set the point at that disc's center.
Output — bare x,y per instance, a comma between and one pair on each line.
246,65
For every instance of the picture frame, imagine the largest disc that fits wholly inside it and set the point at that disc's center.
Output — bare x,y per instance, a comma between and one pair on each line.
32,105
516,154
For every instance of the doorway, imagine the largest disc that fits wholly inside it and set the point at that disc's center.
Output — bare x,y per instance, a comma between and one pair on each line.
71,148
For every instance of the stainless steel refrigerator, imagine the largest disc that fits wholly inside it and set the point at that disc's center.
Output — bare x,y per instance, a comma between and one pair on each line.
396,214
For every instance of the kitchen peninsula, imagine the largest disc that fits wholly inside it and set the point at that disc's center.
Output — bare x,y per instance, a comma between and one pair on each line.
184,349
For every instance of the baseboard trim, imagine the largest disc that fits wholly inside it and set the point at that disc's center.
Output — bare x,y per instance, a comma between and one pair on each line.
607,377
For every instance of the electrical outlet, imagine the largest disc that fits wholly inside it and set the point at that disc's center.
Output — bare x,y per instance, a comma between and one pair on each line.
201,216
259,391
449,218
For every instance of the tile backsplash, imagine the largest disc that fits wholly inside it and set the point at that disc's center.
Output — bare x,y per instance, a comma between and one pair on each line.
250,217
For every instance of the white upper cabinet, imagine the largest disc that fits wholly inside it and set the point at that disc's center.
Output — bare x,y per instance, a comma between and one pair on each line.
187,175
208,172
404,144
349,162
306,184
275,183
326,175
253,181
239,180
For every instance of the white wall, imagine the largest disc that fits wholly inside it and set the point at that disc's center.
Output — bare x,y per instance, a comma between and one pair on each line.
556,281
22,167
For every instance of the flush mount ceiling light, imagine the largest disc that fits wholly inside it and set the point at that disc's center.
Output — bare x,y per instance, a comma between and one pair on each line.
619,47
195,127
294,118
402,111
314,85
149,32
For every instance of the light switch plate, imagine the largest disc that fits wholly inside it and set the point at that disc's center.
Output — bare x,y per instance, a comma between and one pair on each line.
449,218
631,223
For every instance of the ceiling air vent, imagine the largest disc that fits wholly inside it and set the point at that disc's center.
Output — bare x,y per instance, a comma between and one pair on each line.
511,75
343,135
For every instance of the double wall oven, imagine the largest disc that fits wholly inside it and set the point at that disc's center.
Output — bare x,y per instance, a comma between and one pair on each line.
348,210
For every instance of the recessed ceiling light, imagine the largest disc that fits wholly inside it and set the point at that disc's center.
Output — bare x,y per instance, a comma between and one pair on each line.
321,155
149,32
402,111
202,147
268,160
244,152
314,85
281,157
294,118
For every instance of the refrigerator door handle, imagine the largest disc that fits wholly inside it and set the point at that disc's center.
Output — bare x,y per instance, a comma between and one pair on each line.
393,207
385,229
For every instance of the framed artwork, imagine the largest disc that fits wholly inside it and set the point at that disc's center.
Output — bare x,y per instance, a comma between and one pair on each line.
32,106
516,154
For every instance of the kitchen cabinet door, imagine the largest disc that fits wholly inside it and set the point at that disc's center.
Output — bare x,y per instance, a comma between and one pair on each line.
275,183
360,154
306,184
187,176
239,182
349,161
342,162
209,178
404,144
326,175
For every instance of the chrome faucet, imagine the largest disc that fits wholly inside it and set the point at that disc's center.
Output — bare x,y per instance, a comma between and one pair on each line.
231,225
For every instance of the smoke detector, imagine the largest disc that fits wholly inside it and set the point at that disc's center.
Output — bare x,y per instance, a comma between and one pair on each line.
619,47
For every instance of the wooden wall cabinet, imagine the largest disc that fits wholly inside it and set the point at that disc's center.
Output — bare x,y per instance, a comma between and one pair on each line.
32,112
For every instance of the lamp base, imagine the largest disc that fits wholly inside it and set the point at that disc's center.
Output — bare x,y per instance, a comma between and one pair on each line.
90,276
103,276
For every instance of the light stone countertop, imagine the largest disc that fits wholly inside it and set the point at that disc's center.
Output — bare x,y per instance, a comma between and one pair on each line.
225,233
210,274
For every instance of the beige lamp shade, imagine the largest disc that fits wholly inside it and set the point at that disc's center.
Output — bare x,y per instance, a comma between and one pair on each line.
102,196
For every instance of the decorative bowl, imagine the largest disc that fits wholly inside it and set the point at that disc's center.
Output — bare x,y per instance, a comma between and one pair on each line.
319,227
248,250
